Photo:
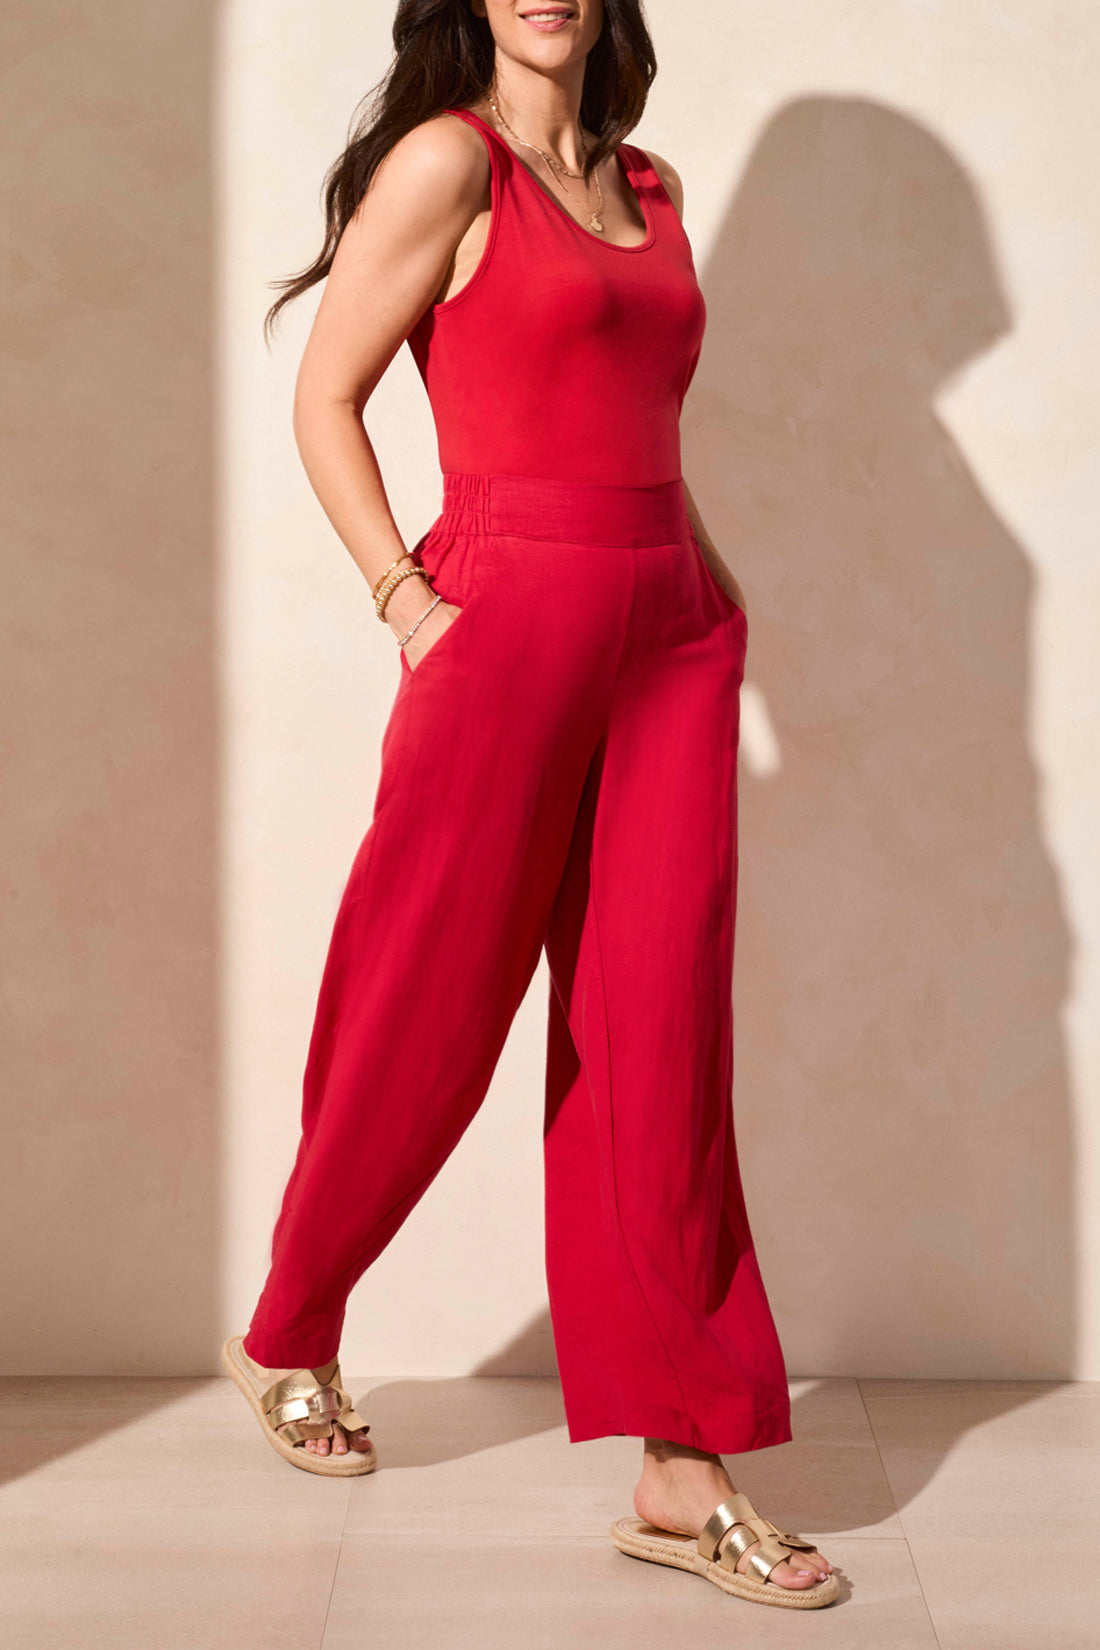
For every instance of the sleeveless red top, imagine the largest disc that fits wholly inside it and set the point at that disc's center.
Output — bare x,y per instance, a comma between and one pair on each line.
564,355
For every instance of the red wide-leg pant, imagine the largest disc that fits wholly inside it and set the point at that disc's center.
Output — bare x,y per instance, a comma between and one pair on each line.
559,770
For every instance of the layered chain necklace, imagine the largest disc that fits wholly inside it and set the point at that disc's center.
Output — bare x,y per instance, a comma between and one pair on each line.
595,219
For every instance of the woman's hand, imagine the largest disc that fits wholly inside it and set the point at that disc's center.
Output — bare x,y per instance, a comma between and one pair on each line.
722,575
725,578
412,598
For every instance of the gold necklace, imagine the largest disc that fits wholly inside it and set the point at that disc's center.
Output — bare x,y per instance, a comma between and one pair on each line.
595,219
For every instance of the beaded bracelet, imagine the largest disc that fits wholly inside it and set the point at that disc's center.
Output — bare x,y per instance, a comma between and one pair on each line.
402,557
419,621
391,584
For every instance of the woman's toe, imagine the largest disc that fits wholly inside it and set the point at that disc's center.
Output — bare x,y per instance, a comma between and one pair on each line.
806,1570
789,1576
785,1574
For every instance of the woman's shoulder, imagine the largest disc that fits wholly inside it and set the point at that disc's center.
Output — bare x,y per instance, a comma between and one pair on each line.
668,176
433,179
442,152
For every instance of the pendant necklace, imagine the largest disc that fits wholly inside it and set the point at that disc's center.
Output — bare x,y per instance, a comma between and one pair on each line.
595,219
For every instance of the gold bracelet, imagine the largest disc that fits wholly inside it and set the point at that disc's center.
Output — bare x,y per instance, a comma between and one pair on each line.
388,571
391,585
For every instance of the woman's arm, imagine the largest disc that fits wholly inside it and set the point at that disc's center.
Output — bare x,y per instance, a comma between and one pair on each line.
671,180
389,265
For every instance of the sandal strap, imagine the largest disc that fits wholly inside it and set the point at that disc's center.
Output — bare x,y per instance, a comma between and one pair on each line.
324,1404
307,1403
349,1418
739,1515
298,1431
738,1509
302,1384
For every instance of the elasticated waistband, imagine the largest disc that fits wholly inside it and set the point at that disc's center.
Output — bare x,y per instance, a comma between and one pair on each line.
582,512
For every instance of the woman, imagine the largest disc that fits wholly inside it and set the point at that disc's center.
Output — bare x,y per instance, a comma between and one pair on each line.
558,769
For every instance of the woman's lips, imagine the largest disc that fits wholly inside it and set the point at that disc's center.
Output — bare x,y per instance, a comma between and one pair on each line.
549,25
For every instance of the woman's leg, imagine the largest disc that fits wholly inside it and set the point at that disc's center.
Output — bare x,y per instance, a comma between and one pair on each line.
662,1323
443,915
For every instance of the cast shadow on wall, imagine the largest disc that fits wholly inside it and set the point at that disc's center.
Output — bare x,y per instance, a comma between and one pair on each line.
110,985
901,1089
901,1086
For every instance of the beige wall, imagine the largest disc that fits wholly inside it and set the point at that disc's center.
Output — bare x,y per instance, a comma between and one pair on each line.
110,1218
891,435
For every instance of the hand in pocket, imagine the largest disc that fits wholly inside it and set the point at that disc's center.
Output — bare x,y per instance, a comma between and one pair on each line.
729,587
438,621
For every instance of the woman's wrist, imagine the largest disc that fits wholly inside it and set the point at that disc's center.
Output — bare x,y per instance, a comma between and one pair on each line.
411,598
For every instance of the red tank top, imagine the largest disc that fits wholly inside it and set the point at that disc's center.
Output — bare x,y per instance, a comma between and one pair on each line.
565,355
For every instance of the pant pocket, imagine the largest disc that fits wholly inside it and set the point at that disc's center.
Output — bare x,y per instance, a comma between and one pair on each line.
447,558
726,600
441,642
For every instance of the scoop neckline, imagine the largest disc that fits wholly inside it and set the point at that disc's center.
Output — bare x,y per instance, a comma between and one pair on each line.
589,234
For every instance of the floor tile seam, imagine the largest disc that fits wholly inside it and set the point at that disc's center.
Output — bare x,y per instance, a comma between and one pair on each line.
490,1543
920,1387
536,1538
900,1518
336,1565
878,1450
78,1542
923,1594
1049,1398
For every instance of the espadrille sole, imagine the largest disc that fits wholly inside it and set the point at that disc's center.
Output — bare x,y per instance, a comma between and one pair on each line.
638,1539
351,1465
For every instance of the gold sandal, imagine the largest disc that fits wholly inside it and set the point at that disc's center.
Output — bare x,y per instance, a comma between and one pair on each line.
641,1540
312,1401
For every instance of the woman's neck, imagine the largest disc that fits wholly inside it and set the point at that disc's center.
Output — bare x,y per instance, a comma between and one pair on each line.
548,124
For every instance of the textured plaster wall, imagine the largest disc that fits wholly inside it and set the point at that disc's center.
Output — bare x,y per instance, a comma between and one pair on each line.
891,435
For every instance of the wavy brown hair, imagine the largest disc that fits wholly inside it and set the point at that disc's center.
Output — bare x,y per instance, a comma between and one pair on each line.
444,58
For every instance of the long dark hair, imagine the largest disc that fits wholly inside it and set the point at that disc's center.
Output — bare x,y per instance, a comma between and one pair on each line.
443,59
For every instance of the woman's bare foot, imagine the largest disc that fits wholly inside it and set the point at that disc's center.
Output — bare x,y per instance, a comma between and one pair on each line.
680,1488
262,1378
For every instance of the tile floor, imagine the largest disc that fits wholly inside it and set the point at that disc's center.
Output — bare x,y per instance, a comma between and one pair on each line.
150,1513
